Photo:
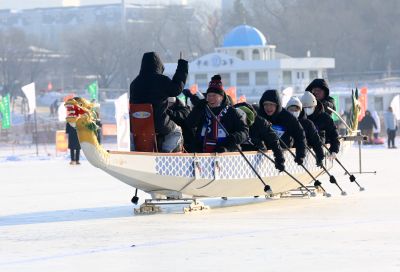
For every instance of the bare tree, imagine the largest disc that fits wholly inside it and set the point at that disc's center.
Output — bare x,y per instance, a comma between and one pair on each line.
360,36
96,51
14,51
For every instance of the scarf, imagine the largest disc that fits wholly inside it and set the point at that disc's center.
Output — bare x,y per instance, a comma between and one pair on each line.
212,133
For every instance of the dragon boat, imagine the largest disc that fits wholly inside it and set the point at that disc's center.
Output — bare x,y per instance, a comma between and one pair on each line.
195,175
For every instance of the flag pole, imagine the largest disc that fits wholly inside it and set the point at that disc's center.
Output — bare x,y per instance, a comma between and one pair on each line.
36,133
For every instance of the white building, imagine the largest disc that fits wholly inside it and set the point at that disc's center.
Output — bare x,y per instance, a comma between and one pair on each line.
246,60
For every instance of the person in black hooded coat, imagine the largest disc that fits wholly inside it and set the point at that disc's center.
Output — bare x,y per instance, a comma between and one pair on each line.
209,137
367,124
319,88
262,136
151,86
285,125
327,129
295,107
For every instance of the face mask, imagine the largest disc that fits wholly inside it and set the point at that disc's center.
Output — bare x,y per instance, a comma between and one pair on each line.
295,114
309,111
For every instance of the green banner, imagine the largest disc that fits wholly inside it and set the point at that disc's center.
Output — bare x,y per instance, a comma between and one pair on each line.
334,116
93,90
5,112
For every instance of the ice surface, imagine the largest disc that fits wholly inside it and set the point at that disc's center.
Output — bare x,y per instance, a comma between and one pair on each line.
58,217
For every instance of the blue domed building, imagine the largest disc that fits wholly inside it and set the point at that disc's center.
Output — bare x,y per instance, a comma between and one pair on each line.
244,35
248,61
247,43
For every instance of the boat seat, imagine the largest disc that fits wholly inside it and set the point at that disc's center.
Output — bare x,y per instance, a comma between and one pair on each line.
142,127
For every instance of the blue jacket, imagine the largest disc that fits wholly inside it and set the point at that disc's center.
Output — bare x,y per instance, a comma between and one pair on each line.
390,121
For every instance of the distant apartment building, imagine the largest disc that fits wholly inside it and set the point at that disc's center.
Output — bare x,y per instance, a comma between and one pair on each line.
48,24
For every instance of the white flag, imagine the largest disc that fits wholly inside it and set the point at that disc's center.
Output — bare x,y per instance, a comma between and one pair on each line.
122,119
30,93
395,104
62,112
286,95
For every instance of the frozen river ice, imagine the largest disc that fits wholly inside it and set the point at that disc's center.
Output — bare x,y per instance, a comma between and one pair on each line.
57,217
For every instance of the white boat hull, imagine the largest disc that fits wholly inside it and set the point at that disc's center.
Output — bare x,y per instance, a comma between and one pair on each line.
207,175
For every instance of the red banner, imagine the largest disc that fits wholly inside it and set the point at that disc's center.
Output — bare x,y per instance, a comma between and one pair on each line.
69,96
109,129
231,91
363,98
194,89
242,99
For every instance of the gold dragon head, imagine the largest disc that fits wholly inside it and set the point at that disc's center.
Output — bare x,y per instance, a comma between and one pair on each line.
81,114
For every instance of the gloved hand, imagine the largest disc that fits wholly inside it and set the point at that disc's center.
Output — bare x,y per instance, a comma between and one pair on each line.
261,147
187,92
299,161
221,149
332,155
320,162
280,165
230,141
183,66
182,62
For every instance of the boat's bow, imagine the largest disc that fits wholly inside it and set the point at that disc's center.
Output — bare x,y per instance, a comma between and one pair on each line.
81,116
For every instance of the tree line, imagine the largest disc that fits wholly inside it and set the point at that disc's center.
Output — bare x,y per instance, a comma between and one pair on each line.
363,36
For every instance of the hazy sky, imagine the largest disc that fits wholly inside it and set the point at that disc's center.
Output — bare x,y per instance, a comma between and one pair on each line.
28,4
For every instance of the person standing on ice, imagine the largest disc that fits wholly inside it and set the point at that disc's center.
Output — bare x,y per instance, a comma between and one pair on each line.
367,124
285,125
319,88
391,127
327,129
295,107
209,136
73,144
151,86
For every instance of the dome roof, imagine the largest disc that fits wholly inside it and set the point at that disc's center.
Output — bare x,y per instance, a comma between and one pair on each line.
244,35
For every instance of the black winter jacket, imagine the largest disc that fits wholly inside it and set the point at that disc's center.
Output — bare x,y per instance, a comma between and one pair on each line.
367,122
151,86
284,124
312,136
262,136
233,121
178,113
73,141
326,127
